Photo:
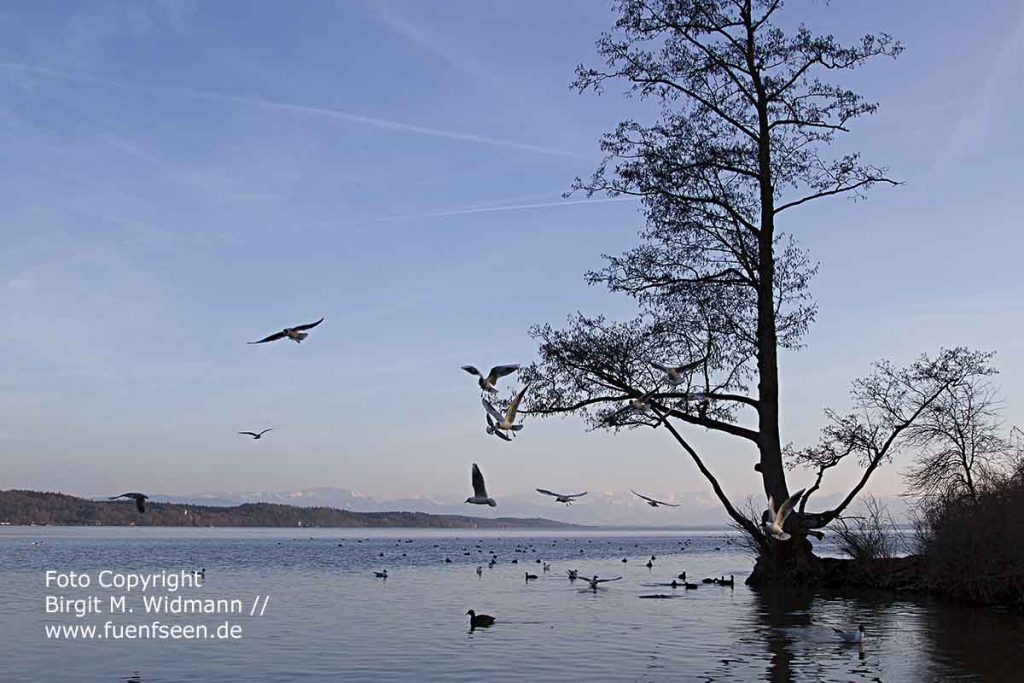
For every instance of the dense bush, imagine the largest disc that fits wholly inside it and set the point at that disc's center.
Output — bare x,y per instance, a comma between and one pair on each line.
974,546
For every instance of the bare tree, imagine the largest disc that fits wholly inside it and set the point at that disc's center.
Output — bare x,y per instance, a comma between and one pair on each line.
891,410
746,116
957,438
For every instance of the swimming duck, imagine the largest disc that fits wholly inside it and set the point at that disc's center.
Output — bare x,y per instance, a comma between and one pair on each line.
851,636
479,620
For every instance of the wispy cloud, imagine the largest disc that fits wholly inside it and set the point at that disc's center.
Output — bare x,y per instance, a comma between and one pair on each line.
503,207
976,121
276,105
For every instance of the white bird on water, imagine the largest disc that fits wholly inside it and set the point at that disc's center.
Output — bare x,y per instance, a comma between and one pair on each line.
674,373
778,517
480,496
488,383
851,636
504,422
296,334
562,497
595,582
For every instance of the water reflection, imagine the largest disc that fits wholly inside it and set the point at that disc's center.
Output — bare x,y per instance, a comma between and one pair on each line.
975,643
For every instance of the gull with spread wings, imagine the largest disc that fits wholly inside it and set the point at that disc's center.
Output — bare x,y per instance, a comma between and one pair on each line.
594,582
504,422
653,502
562,497
777,518
488,383
480,496
257,435
139,498
296,334
674,373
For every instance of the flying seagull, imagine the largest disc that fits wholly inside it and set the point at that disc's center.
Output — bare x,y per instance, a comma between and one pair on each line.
480,496
778,517
257,435
654,502
139,498
296,334
562,497
640,404
497,372
505,422
851,636
497,432
674,374
594,582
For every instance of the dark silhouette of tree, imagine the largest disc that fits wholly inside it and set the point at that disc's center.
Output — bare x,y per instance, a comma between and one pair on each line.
957,440
746,114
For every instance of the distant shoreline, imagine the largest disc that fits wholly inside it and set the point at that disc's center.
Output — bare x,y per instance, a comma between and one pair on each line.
35,508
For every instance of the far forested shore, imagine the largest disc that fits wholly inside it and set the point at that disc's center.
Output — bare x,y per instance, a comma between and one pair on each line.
58,509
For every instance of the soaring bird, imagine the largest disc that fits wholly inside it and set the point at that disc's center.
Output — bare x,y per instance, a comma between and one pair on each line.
296,334
257,435
654,502
479,620
674,374
851,636
497,432
778,517
505,422
480,496
497,372
139,498
594,582
562,497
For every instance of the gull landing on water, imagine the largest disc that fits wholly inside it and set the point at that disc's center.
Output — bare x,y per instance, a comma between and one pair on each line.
296,334
674,374
139,498
562,497
480,496
497,372
595,582
504,422
654,502
257,435
778,517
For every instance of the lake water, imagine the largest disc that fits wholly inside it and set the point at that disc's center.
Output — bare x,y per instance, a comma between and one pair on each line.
325,617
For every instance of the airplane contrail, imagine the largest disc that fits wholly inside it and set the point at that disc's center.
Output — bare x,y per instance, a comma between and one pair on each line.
503,207
336,114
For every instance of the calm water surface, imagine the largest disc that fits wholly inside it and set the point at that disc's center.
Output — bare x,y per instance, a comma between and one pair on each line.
328,618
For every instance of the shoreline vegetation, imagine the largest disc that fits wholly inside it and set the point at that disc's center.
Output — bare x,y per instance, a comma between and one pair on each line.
25,508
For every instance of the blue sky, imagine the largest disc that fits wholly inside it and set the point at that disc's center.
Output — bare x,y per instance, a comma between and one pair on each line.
179,178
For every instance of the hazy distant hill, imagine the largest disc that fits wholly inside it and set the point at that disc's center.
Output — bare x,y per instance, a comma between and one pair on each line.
33,507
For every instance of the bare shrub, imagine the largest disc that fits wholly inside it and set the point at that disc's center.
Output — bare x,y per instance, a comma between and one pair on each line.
873,536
